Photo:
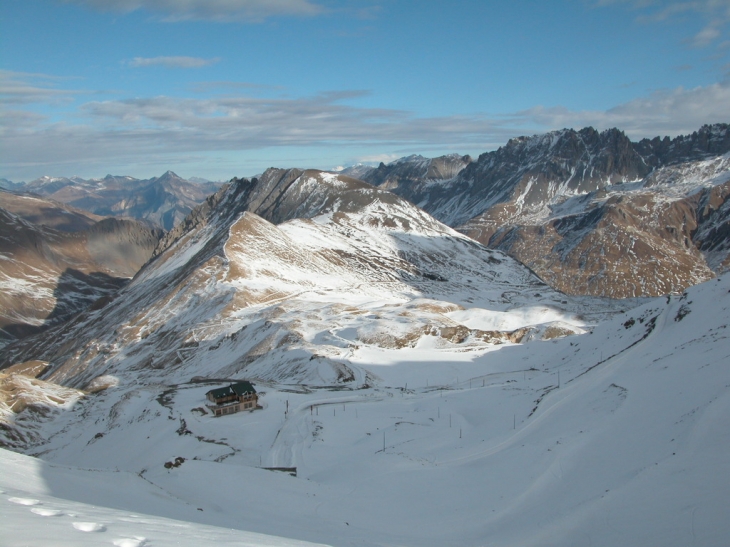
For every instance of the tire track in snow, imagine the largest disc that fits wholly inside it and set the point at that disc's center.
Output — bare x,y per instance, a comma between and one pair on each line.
286,450
565,394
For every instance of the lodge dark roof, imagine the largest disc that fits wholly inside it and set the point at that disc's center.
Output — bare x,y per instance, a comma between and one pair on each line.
238,389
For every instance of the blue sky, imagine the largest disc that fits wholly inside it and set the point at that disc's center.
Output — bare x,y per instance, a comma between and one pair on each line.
223,88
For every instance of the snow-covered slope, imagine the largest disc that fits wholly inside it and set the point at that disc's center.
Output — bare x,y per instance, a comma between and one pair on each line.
37,510
614,437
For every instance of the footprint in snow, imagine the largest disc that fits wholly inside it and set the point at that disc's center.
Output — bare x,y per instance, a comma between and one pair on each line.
89,527
136,541
24,501
44,512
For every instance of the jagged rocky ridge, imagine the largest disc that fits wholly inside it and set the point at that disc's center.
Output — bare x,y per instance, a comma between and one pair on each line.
591,212
281,278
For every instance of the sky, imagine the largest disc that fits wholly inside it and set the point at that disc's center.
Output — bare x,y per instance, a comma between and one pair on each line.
224,88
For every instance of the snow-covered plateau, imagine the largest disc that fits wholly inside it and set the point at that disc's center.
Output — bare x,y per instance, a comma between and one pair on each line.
415,389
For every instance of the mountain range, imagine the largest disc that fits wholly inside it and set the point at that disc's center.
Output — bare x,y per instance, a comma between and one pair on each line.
590,212
163,200
407,375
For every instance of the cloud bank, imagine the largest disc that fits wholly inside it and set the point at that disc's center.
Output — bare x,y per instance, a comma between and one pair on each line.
664,112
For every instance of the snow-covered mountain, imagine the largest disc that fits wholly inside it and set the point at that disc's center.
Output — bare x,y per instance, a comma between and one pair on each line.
279,278
164,200
592,213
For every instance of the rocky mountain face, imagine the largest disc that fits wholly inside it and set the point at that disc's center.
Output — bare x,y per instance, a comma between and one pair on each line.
282,278
594,213
51,271
163,200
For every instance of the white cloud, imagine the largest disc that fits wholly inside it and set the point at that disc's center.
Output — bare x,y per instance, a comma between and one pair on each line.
716,14
143,131
210,10
26,88
378,158
173,62
665,112
707,35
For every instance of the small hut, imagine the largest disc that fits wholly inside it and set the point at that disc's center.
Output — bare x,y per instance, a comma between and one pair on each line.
232,398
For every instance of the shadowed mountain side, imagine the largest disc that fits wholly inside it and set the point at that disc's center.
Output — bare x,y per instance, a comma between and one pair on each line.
410,175
47,275
46,212
75,291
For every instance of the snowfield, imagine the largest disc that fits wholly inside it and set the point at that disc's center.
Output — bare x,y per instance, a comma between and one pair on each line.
33,517
613,437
